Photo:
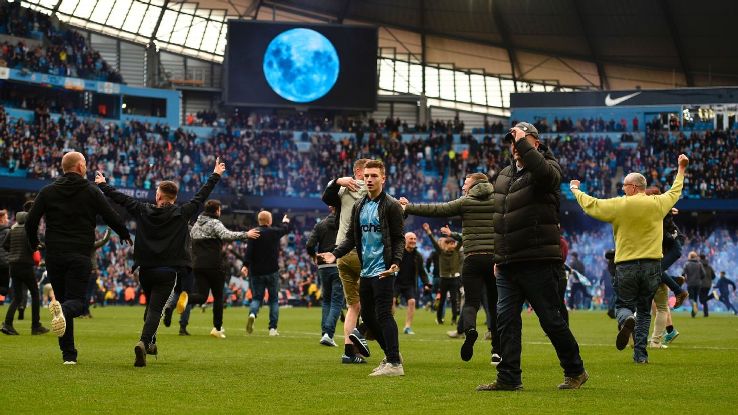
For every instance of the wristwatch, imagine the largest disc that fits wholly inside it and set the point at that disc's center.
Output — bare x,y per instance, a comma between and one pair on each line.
573,187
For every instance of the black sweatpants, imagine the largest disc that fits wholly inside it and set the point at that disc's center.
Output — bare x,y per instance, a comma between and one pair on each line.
449,285
157,284
210,279
376,297
69,274
478,274
23,277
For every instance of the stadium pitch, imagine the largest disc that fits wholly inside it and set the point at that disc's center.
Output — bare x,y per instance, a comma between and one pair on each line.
292,373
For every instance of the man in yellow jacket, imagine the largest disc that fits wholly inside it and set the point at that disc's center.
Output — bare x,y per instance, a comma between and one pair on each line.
637,223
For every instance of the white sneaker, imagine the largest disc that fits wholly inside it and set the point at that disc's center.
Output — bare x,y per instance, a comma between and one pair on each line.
220,334
58,322
381,365
327,341
70,363
274,332
250,323
390,369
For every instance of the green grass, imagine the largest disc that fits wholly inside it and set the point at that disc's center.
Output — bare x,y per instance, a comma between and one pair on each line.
294,374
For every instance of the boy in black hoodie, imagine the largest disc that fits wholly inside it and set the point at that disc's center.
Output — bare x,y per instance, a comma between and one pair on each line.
71,205
160,248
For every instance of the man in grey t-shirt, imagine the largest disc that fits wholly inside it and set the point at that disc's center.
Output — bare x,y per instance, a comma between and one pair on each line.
342,193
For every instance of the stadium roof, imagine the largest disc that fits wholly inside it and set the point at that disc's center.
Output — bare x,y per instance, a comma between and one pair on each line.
693,40
611,44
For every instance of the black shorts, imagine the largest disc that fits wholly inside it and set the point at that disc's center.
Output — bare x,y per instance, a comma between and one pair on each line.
408,292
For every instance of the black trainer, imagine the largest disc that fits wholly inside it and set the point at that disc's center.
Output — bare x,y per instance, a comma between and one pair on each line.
467,349
624,334
140,351
39,330
168,316
355,359
498,386
360,342
183,332
152,349
9,330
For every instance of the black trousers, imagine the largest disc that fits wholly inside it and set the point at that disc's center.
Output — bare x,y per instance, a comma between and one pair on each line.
23,277
478,274
561,282
536,283
157,284
449,285
91,288
4,280
376,297
210,279
69,274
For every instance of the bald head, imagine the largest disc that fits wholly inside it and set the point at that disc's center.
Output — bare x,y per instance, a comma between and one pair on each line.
634,183
265,218
411,241
74,162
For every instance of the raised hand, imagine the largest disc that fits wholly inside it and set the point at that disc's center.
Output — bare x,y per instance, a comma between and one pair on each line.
446,231
99,177
574,183
426,228
219,167
683,161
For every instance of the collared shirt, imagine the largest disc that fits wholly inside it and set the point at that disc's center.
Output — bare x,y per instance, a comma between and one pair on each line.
372,254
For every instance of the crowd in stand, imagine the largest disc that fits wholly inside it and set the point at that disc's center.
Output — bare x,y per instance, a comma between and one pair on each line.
67,52
275,162
584,125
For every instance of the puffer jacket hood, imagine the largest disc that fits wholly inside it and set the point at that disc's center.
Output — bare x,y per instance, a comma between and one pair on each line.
482,189
20,218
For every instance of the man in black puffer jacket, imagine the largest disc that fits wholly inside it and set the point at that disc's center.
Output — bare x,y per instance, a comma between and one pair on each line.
4,270
528,257
20,258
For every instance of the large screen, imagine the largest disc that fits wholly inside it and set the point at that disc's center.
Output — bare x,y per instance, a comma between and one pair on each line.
301,65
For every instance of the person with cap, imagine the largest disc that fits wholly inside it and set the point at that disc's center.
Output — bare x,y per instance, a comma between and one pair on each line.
526,203
638,226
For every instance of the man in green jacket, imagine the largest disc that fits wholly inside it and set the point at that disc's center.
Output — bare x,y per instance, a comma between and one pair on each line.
475,208
449,264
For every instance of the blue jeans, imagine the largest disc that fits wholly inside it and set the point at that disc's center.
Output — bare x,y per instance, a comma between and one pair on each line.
670,257
270,283
332,299
536,282
635,284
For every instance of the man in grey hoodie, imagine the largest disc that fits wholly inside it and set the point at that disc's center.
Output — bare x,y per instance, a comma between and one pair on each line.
208,235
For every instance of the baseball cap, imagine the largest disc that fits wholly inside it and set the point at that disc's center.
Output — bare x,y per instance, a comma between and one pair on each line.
527,127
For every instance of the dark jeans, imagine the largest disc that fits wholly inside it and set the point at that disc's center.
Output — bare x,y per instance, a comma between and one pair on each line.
478,274
671,256
157,284
635,284
449,285
561,281
23,277
725,299
584,298
270,283
332,299
69,274
536,283
705,298
210,280
376,296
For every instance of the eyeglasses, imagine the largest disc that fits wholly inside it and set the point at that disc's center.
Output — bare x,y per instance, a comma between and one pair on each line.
628,184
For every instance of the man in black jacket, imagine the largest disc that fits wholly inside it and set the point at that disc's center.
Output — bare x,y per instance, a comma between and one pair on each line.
323,239
20,259
160,249
261,265
4,267
376,230
208,236
71,205
528,258
406,283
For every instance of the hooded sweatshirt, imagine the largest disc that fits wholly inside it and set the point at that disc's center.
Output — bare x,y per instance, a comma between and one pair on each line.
71,205
208,236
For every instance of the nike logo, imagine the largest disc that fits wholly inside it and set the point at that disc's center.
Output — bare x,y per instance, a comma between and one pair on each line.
610,102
